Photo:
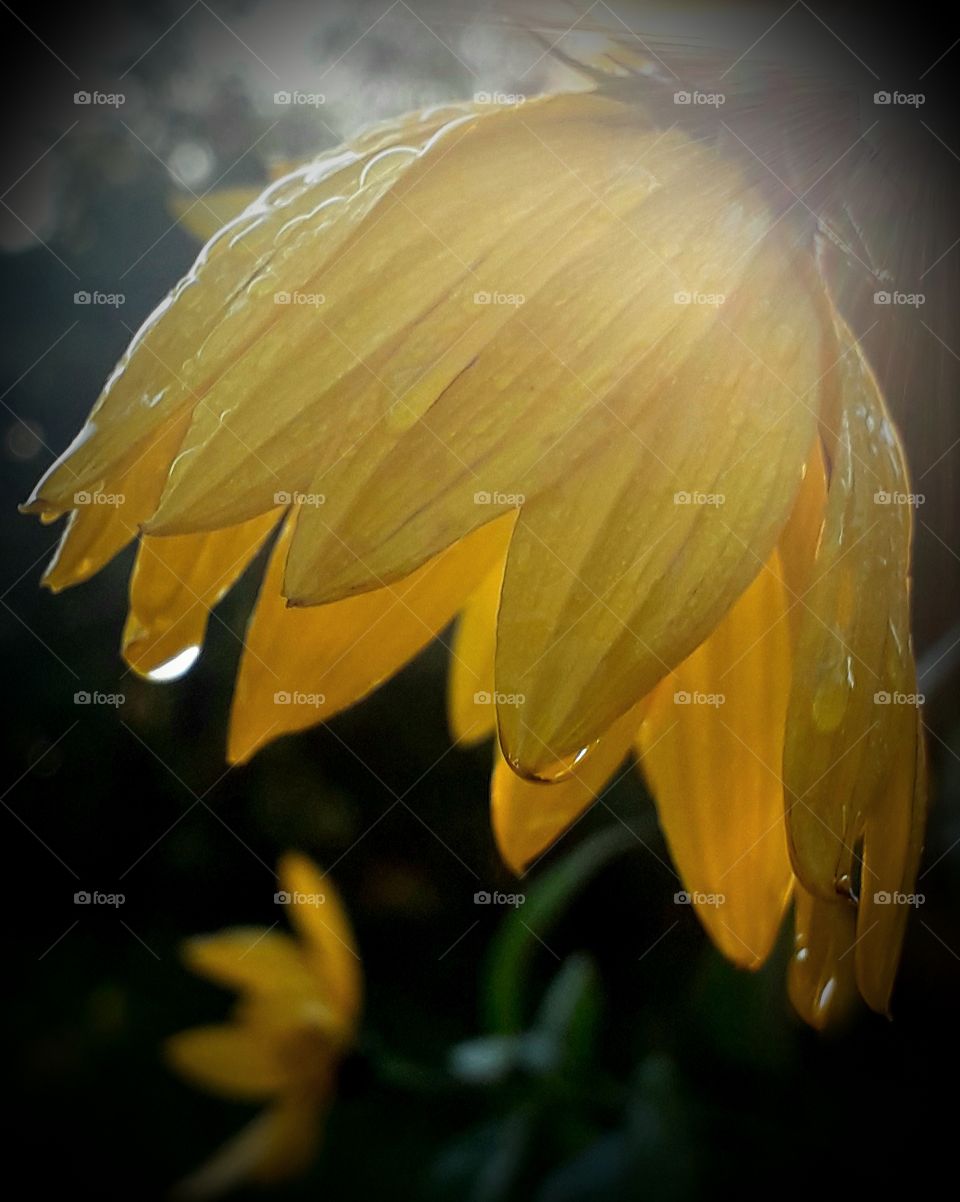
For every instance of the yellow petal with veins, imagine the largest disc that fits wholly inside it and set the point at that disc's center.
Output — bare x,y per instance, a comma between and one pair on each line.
109,515
208,343
711,746
822,978
529,816
853,638
532,388
437,275
621,570
471,715
301,666
175,583
230,1060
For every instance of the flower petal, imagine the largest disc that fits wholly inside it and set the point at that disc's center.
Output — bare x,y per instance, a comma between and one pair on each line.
397,325
531,388
230,1060
278,1144
250,959
109,515
853,649
203,346
529,816
301,666
892,845
471,715
326,929
612,578
821,978
711,746
175,583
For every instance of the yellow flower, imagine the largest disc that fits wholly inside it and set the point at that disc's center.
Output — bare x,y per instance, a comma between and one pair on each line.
574,376
296,1017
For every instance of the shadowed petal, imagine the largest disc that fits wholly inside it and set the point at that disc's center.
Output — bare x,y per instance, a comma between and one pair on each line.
301,666
853,651
471,715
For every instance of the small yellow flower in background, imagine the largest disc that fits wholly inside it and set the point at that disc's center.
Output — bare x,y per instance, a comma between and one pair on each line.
563,372
295,1019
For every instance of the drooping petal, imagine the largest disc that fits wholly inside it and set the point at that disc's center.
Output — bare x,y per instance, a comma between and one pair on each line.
853,653
655,217
529,816
108,515
251,959
471,714
301,666
711,746
230,1060
822,978
892,846
621,570
176,581
208,341
318,914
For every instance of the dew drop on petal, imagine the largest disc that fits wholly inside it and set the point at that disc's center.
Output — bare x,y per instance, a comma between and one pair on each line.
176,667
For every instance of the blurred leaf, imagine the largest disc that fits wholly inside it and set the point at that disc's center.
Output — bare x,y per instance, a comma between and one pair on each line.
483,1165
570,1012
515,942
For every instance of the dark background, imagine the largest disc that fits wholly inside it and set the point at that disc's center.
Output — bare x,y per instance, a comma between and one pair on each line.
690,1075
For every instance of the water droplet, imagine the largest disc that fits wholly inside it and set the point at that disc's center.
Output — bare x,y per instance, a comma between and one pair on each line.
562,770
176,667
